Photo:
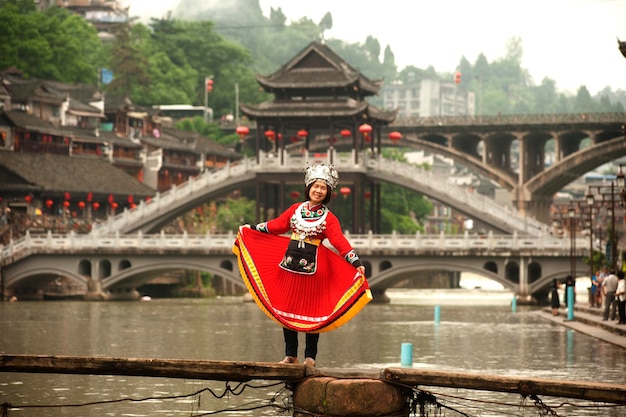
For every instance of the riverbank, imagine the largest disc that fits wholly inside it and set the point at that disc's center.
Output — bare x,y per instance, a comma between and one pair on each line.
589,321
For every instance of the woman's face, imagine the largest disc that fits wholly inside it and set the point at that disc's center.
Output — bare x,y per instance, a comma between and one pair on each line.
318,192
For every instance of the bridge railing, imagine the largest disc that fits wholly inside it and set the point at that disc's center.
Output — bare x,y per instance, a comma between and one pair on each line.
509,119
393,244
439,185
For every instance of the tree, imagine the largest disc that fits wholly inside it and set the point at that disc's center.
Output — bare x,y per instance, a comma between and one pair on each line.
326,23
583,102
54,45
129,64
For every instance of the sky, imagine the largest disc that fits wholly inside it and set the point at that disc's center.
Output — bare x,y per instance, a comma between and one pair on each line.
573,42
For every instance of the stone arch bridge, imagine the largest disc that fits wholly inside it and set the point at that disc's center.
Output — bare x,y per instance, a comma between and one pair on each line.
114,266
151,216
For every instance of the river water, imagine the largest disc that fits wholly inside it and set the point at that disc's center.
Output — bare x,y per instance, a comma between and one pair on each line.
478,332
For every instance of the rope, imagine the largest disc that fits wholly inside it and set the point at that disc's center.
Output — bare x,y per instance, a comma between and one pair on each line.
238,389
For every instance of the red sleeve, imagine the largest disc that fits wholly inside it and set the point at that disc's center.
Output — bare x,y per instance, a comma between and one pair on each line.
282,224
335,235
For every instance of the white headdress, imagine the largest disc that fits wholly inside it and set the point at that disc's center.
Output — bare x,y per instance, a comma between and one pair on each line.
321,172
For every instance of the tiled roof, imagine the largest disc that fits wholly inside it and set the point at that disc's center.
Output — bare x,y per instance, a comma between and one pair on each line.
318,67
55,173
32,123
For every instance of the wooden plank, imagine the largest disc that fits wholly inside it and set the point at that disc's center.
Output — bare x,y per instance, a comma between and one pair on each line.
246,371
168,368
592,391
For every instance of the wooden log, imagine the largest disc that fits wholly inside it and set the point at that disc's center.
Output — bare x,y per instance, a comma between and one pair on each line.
246,371
167,368
591,391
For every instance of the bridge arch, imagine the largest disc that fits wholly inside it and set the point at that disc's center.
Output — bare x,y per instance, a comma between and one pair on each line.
386,279
84,267
39,278
104,268
136,276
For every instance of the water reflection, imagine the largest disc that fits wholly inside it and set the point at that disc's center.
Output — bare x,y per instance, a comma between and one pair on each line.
484,337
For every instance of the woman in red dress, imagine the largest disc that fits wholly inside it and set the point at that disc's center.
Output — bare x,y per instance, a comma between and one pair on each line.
296,280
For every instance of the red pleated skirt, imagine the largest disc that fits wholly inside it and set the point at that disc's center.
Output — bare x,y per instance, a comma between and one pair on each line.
315,303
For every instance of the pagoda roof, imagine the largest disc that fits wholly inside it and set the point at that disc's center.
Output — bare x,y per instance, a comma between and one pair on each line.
318,109
318,67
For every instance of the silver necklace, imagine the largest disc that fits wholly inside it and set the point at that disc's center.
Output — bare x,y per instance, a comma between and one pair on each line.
304,227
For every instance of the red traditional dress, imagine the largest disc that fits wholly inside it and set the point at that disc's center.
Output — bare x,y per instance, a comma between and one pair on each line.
297,281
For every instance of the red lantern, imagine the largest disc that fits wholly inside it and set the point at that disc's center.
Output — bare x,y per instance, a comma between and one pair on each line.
114,205
302,133
28,199
66,204
96,205
294,139
295,195
89,197
81,205
345,133
66,196
111,199
242,131
367,195
130,198
49,203
270,135
345,191
457,77
395,137
365,130
133,206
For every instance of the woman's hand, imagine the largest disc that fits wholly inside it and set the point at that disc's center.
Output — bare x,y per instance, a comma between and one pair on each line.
361,269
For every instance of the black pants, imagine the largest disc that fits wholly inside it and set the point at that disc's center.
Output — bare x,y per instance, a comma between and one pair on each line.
291,343
621,309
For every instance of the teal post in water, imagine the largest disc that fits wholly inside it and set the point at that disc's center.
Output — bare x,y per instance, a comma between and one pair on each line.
437,314
406,355
514,304
570,302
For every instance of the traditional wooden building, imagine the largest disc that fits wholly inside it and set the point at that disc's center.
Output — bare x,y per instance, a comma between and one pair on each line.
43,192
318,96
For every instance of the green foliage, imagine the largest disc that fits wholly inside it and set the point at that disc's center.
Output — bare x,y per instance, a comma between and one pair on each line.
233,213
209,130
55,44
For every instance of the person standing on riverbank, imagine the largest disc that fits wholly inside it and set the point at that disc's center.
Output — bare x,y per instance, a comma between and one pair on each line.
609,285
296,280
555,302
620,295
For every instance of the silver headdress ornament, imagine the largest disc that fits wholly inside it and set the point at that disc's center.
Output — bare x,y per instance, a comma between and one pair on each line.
324,172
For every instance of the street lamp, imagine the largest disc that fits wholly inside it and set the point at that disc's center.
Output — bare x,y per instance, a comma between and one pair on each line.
609,198
570,220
